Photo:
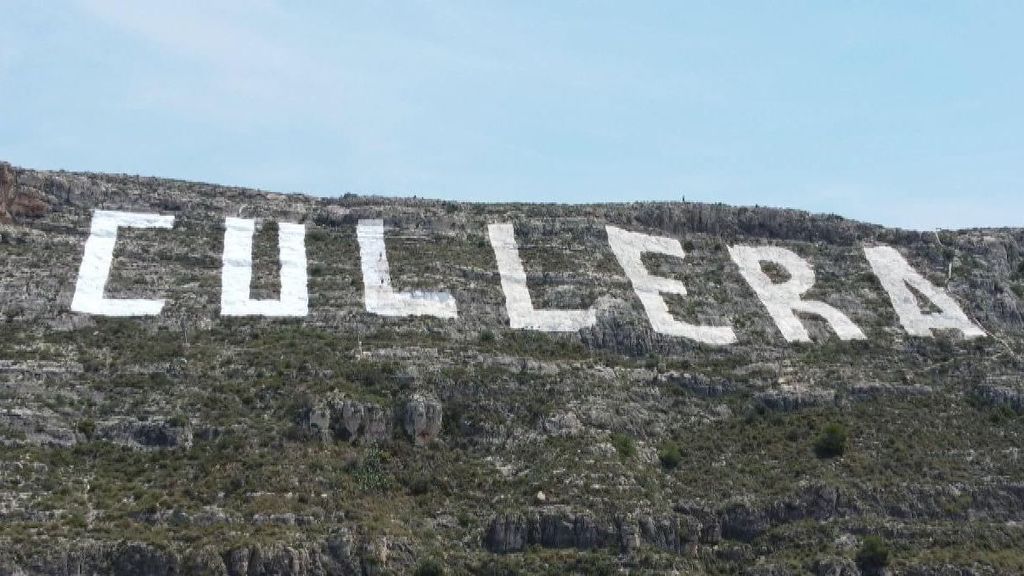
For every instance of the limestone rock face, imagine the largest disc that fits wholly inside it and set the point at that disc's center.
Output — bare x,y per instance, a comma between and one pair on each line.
334,556
1008,393
318,421
507,533
36,425
361,421
553,527
16,202
422,419
146,434
698,384
349,420
562,424
794,397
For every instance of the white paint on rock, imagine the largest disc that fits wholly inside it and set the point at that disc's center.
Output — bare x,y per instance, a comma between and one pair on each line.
98,258
521,313
783,299
379,296
236,279
629,248
897,276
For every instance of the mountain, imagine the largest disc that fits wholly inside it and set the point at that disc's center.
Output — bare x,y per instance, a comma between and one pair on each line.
198,379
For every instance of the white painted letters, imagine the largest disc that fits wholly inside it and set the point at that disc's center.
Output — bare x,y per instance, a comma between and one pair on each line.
897,276
379,296
629,248
783,299
97,259
521,313
237,271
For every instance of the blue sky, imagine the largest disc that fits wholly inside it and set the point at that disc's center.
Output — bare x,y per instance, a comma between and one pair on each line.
901,113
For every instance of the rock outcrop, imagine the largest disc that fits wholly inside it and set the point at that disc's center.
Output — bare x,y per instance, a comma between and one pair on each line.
16,202
422,419
146,434
349,420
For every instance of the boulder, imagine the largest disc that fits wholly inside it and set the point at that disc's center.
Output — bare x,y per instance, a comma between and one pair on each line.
422,419
350,420
562,424
367,422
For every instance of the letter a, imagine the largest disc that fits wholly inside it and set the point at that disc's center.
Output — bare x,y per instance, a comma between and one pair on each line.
236,281
897,277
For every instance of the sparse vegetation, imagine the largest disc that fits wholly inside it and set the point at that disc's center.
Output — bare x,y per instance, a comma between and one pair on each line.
670,455
831,443
873,554
429,568
623,444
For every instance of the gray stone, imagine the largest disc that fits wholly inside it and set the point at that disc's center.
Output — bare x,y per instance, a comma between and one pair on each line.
145,433
422,419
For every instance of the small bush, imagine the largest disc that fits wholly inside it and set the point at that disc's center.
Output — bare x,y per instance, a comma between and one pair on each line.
624,445
873,554
419,484
832,442
1001,414
372,473
87,428
429,568
670,455
178,421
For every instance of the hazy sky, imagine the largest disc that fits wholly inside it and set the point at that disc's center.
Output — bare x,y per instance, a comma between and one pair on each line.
901,113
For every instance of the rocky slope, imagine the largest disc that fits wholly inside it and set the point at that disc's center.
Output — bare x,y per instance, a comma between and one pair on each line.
346,442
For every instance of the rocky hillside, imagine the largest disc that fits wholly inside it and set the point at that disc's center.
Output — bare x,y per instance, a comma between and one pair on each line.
349,442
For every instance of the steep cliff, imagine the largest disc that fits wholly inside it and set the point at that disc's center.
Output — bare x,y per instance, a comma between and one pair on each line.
344,441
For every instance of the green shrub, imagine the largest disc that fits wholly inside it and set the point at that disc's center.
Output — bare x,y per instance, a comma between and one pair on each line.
624,445
419,484
873,554
670,455
178,421
87,428
1001,414
371,472
429,568
832,441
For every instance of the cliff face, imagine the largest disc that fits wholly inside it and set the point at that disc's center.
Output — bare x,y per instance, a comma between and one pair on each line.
349,442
